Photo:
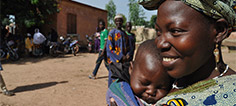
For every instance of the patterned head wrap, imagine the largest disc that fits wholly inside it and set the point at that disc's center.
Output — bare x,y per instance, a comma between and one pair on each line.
213,8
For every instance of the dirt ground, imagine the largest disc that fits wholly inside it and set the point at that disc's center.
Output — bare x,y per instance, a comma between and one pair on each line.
61,81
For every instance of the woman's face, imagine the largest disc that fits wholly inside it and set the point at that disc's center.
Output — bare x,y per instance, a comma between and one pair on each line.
186,38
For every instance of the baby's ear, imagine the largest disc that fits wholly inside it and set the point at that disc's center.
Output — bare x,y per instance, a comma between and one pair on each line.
131,67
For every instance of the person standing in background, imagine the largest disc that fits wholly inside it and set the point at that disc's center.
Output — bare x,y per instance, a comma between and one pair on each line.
132,41
102,51
116,45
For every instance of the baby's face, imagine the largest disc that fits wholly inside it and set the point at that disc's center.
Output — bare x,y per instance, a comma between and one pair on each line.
150,84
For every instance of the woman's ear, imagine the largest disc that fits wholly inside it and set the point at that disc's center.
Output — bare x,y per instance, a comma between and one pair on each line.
131,67
222,30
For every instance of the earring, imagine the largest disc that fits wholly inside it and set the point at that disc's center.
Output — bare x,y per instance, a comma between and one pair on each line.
217,56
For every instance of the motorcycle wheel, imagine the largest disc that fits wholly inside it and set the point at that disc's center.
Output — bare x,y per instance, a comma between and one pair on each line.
13,56
52,51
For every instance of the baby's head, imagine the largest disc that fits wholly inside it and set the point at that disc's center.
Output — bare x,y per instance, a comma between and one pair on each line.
148,79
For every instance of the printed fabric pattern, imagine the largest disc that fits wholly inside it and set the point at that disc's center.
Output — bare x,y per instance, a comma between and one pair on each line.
213,8
122,93
214,92
115,46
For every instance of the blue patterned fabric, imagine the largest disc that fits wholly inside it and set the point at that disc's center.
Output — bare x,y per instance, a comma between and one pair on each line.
122,93
115,47
221,92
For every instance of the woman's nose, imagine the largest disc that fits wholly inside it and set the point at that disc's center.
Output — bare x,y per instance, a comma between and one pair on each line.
162,43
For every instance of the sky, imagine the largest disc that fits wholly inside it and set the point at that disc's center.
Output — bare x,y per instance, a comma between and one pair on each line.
121,7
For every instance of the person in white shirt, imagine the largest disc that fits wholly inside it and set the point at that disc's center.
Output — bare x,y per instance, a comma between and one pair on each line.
38,37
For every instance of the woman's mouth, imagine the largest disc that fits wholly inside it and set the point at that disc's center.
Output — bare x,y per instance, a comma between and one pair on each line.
168,59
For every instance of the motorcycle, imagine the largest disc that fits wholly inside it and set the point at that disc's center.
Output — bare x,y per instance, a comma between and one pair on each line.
56,48
8,51
37,50
74,47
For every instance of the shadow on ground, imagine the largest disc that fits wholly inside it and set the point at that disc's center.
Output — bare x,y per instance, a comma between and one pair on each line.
102,77
24,60
36,86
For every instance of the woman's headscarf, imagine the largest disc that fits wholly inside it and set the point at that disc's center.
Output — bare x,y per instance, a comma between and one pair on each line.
213,8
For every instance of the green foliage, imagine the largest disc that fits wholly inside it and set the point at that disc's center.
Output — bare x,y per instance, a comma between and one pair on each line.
124,20
28,12
153,21
5,21
136,13
111,9
34,1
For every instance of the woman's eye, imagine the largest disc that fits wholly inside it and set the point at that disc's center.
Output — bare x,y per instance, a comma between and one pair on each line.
177,32
158,32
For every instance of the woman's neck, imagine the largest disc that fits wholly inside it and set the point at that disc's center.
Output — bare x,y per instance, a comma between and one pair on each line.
203,73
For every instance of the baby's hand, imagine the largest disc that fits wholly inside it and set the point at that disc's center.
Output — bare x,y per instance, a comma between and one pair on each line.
113,102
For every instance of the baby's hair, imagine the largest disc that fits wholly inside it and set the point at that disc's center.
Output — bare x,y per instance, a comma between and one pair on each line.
147,49
148,46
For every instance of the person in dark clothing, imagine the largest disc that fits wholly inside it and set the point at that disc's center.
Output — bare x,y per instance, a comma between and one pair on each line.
54,35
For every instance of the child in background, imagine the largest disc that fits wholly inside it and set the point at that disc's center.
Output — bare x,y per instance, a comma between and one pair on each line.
132,41
148,80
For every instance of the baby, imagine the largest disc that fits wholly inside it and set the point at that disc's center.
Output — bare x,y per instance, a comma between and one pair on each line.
148,79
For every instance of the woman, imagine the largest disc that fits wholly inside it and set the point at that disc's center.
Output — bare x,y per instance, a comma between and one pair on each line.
189,34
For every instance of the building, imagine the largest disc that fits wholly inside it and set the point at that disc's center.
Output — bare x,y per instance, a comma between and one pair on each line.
76,19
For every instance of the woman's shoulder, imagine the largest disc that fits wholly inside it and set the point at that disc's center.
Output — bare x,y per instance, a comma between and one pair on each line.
220,91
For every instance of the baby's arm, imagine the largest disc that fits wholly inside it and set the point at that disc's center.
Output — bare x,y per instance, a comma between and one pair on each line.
113,102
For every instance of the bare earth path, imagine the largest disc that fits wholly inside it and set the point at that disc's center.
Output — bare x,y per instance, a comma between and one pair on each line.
61,81
55,82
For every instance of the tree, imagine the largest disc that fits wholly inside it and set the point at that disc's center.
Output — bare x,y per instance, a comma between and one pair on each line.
28,13
136,13
111,9
153,21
